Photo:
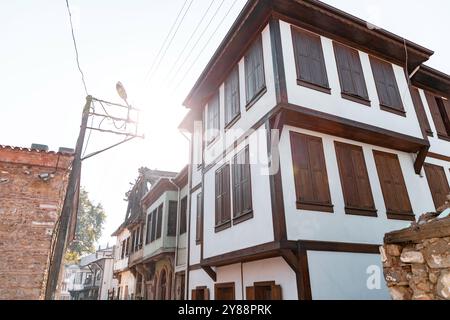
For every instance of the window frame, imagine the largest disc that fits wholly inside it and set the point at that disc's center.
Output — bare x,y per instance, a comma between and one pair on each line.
199,219
243,214
342,149
232,96
297,33
222,218
432,182
388,71
183,215
256,49
213,119
224,285
352,96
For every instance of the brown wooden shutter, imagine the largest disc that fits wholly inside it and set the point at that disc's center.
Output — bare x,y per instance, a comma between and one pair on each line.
242,194
310,63
232,104
276,292
254,70
218,202
393,185
310,173
226,214
437,181
436,114
250,293
350,71
159,226
194,294
183,215
223,210
354,180
206,294
420,111
199,222
386,84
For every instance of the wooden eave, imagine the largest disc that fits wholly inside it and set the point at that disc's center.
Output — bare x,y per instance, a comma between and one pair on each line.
163,185
301,117
432,80
310,14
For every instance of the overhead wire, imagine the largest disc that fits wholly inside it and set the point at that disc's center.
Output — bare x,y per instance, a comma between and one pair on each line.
204,47
189,40
198,40
165,40
76,49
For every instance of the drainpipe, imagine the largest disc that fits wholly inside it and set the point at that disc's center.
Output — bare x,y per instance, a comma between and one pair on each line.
177,234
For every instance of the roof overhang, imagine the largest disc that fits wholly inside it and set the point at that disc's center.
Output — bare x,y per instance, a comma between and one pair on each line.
433,80
311,14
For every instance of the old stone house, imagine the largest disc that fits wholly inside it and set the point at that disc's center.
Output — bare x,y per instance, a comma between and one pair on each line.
32,188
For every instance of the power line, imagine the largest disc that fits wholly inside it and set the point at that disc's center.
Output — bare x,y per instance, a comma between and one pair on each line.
198,40
166,39
76,49
206,44
170,42
189,40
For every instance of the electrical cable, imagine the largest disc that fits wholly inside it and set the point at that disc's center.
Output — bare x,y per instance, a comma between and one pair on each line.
76,48
206,44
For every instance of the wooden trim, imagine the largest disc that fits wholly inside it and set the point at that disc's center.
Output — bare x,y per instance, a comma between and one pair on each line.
326,123
313,86
420,159
442,137
197,187
193,267
278,61
400,216
339,246
435,229
438,156
210,272
223,226
224,285
303,278
243,217
233,121
258,252
276,188
356,99
361,212
393,110
315,207
255,99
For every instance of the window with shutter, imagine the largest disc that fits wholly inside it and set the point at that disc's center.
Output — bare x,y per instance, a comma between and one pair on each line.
200,293
421,114
438,183
232,105
154,221
199,221
224,291
255,82
309,60
387,88
310,173
172,219
355,180
351,75
213,118
395,193
242,190
266,290
223,212
440,112
159,222
183,216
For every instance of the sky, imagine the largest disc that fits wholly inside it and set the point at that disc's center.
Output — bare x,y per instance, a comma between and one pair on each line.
42,93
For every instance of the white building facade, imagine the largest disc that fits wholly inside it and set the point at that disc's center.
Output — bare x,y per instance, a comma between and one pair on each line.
312,137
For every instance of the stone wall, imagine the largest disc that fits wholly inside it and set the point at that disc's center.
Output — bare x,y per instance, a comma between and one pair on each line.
416,260
32,189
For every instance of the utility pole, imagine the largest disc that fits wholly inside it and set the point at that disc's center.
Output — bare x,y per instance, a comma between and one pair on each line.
66,213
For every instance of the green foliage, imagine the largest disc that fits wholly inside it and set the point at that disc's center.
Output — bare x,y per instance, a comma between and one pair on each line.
89,228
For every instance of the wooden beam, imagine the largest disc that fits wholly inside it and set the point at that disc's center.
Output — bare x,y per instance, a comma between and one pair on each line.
211,273
435,229
420,160
291,258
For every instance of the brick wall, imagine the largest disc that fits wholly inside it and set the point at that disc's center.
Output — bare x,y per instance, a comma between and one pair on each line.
29,210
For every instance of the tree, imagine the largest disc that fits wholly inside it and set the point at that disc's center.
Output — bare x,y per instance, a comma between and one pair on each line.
89,228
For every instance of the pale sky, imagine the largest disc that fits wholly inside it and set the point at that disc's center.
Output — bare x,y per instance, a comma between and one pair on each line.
42,93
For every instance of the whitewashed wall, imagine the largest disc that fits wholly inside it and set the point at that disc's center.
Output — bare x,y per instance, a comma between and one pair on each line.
335,104
252,232
346,276
338,226
120,264
199,278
